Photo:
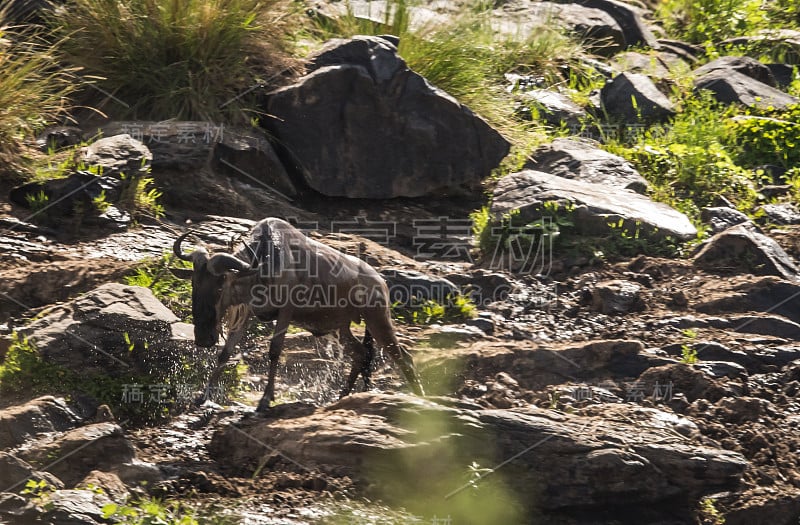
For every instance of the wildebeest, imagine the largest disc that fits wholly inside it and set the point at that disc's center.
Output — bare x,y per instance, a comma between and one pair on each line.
279,274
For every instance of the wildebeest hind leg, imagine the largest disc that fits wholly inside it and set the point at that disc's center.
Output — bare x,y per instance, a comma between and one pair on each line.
362,359
380,326
366,370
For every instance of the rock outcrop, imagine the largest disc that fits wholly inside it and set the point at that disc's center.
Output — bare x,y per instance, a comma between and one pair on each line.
112,330
583,160
633,97
360,98
731,87
546,462
595,205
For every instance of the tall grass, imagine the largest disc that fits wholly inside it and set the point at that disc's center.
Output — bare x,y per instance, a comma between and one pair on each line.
185,59
34,89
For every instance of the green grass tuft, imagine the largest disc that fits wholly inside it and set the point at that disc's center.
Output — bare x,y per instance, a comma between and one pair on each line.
175,293
34,90
162,59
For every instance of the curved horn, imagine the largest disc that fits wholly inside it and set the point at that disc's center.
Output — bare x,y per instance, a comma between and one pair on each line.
219,263
176,248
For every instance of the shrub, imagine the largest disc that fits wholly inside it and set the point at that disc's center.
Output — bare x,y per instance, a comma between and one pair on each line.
691,161
162,59
150,511
456,308
701,21
26,372
767,137
34,89
520,240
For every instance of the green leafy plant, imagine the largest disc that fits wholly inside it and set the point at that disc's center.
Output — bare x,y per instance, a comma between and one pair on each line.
767,137
701,21
100,202
37,202
512,233
690,162
709,514
688,355
38,490
630,241
23,370
139,196
175,293
475,473
456,308
481,231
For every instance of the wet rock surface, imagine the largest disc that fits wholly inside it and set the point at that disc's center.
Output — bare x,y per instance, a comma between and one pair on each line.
621,405
589,387
88,334
365,433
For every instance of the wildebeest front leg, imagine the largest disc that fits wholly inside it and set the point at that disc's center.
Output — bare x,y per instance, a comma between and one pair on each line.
222,361
275,349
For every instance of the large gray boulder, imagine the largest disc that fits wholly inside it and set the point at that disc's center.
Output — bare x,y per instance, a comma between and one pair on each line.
720,218
633,97
744,247
555,108
114,329
410,286
596,205
784,213
15,473
75,507
361,124
732,87
236,151
118,154
19,424
582,160
520,20
744,65
414,451
100,446
634,30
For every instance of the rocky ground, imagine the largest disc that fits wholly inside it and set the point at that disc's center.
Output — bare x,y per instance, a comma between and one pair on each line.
585,387
567,380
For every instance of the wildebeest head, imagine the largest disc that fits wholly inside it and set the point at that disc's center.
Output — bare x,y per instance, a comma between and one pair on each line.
208,278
